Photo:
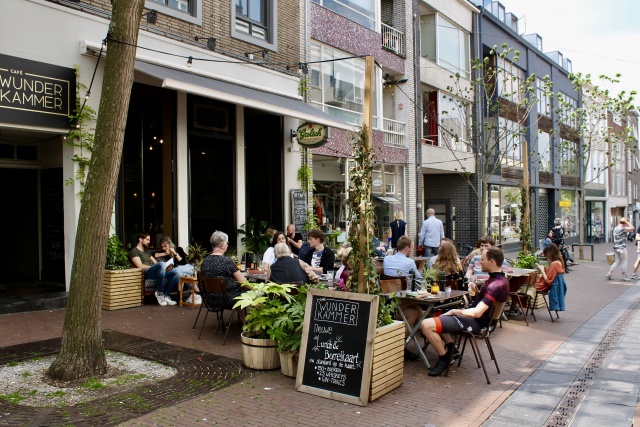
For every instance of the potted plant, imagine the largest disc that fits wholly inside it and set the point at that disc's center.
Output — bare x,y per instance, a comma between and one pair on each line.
195,255
255,240
265,322
122,284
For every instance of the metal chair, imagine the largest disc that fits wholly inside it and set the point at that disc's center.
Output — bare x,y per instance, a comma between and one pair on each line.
485,334
211,287
516,296
545,295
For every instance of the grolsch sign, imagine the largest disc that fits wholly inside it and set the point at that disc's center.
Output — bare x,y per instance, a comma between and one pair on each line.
36,94
311,135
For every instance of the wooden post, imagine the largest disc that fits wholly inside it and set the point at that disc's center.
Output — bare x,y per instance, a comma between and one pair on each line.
526,217
366,127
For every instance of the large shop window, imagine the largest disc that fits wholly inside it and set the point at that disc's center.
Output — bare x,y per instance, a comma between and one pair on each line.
388,196
361,11
505,215
569,211
255,21
337,87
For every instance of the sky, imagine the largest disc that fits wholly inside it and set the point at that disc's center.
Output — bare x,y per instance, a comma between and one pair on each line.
599,37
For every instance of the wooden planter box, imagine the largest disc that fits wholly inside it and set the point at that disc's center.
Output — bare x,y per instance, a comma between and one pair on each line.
388,360
121,289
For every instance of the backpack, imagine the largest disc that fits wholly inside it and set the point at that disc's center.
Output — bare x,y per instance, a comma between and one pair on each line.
558,236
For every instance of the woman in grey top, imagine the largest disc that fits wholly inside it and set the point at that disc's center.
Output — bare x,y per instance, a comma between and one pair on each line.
620,248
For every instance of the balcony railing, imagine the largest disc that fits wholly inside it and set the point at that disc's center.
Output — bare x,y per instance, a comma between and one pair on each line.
392,39
394,133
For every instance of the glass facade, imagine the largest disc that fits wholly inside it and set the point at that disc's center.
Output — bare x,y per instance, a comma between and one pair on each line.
504,213
569,211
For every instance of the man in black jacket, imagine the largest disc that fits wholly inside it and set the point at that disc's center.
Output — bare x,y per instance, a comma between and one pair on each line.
321,258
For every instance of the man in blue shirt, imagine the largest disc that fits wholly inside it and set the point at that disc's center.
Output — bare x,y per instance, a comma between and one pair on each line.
400,264
431,233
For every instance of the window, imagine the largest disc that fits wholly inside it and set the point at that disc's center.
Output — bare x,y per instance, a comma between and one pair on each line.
453,117
510,80
187,10
337,87
445,44
511,136
544,151
254,21
543,97
568,159
361,11
568,110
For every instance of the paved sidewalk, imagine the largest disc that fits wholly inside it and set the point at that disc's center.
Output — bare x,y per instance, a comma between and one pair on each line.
526,354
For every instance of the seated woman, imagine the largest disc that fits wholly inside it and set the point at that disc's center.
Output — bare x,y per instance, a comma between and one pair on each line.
269,256
345,269
217,265
169,251
285,269
552,278
449,262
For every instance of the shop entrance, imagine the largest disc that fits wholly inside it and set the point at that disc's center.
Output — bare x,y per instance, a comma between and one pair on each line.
20,217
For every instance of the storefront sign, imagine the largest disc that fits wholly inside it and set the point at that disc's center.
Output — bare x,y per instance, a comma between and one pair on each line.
376,182
311,135
564,203
36,94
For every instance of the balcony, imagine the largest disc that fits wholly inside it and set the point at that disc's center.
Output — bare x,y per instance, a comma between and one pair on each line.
394,133
393,40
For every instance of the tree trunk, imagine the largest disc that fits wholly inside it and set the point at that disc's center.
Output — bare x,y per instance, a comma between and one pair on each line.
82,352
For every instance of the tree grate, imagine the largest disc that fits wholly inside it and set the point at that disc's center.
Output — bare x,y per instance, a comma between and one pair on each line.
198,373
566,410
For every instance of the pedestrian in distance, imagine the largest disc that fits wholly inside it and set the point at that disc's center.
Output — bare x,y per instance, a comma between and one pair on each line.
431,233
620,248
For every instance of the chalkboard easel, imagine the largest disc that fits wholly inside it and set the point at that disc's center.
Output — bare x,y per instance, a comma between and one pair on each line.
337,345
299,211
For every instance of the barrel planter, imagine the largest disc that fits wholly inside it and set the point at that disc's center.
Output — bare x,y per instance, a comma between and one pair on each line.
261,354
387,368
289,363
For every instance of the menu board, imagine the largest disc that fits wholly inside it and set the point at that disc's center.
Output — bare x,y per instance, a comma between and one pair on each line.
299,211
337,345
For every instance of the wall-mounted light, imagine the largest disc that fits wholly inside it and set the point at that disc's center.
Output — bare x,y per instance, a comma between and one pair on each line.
211,42
152,17
265,55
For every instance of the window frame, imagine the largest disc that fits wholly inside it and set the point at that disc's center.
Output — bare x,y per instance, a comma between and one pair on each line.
195,17
464,42
272,27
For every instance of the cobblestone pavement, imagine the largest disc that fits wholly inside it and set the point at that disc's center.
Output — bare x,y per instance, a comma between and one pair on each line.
595,308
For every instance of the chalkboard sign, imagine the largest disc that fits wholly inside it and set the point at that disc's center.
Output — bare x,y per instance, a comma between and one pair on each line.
299,211
337,345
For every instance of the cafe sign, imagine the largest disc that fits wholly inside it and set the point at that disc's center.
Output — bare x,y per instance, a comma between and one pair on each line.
564,203
311,135
36,94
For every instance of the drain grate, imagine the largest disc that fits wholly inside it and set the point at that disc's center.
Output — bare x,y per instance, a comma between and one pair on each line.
198,373
568,406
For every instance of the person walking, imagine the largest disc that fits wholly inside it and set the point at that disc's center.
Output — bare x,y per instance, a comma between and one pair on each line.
620,248
431,233
397,228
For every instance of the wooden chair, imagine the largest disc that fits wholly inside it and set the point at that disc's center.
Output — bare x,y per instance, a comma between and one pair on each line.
485,334
405,280
214,286
388,286
516,296
545,296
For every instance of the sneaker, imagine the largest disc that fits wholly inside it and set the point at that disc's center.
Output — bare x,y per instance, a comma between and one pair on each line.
625,279
609,276
634,276
439,368
169,301
160,299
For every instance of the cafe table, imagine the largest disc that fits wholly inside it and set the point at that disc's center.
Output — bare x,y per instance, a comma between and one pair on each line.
428,303
421,261
255,277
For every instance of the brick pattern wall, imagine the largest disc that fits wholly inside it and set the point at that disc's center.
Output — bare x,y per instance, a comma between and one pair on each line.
216,22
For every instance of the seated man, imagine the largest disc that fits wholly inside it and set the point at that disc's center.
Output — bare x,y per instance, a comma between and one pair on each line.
484,243
285,269
320,257
400,264
141,258
475,317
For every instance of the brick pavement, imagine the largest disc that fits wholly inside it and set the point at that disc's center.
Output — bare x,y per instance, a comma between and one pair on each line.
268,398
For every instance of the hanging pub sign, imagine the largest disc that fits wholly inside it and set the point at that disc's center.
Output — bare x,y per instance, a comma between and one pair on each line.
311,135
36,94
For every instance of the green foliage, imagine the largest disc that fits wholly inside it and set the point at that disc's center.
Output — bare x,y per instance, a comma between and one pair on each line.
431,275
268,302
289,325
255,240
93,384
16,397
81,136
525,260
196,254
117,257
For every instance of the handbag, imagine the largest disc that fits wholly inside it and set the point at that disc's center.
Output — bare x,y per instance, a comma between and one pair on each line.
420,251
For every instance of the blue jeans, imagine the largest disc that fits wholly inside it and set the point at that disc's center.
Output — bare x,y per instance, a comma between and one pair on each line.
158,273
431,250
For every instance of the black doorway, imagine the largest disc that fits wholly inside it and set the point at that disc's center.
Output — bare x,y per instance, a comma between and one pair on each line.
212,183
20,218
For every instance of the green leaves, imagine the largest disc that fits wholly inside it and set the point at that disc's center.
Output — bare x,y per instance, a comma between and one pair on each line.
116,257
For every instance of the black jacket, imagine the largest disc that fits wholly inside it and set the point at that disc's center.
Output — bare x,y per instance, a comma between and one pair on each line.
287,270
326,261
